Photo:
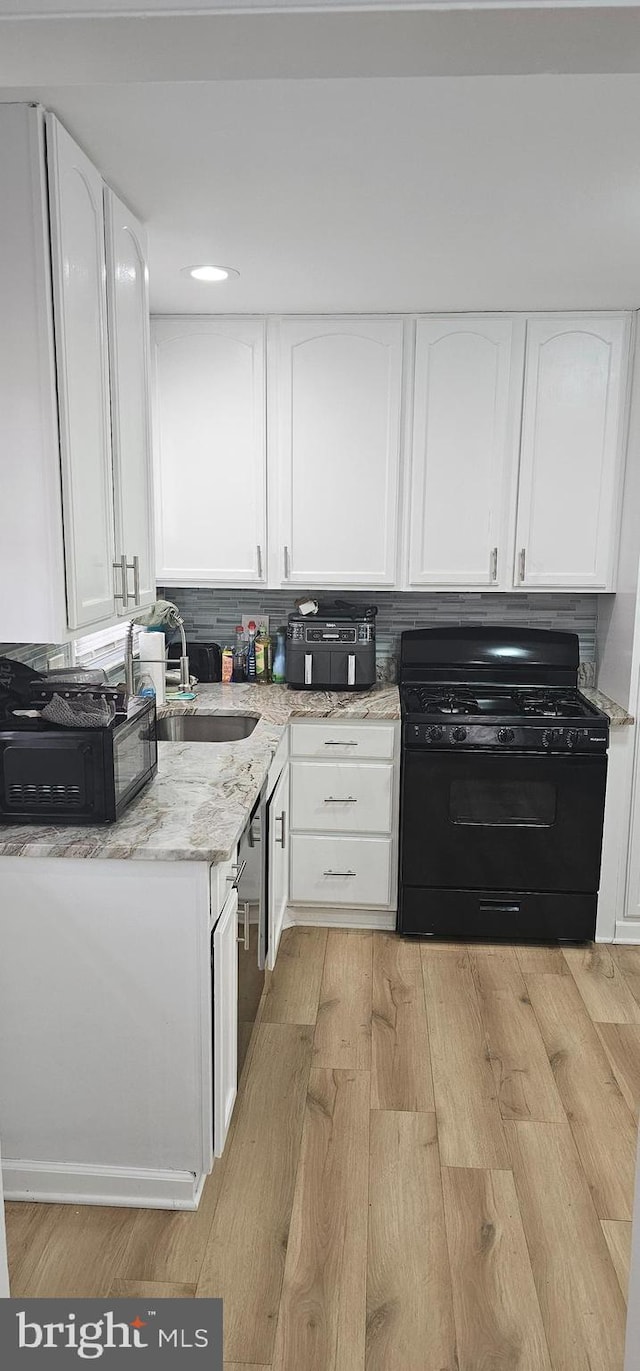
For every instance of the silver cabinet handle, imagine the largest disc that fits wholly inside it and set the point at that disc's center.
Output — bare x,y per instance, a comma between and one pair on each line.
338,873
121,566
287,569
134,566
259,552
523,562
494,564
245,937
238,870
348,800
339,742
280,818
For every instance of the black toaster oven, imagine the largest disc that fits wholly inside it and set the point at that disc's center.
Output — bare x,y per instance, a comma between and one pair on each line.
55,775
334,649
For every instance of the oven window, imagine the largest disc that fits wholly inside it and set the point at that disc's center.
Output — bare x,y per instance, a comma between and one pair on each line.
503,804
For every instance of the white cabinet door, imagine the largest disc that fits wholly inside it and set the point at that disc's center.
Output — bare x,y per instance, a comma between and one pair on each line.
279,826
78,270
572,451
468,383
337,432
224,970
210,450
128,314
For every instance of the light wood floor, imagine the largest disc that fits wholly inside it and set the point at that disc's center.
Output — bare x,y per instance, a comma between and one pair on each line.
430,1168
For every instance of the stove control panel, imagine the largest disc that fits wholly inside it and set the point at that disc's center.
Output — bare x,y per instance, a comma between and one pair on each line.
508,738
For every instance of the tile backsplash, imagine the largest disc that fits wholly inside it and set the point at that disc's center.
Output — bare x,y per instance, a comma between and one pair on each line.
213,614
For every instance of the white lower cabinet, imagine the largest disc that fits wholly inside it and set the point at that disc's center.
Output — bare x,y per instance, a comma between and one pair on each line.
333,796
344,814
352,741
224,980
278,896
340,870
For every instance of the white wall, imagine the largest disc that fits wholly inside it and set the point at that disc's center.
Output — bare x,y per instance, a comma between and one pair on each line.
618,644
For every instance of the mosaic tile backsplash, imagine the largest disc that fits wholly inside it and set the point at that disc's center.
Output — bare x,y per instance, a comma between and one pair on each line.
212,614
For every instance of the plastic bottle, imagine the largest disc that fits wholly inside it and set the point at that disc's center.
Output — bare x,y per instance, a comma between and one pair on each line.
239,656
279,671
251,652
146,687
263,657
227,665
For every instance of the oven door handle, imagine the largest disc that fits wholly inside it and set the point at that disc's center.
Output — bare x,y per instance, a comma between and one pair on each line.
499,907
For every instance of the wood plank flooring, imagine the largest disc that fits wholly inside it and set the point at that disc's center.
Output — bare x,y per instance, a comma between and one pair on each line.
430,1168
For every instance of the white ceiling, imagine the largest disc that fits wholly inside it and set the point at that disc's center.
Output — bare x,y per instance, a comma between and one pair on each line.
390,195
359,161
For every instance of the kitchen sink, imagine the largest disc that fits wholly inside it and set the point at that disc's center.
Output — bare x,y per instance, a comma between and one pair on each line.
205,728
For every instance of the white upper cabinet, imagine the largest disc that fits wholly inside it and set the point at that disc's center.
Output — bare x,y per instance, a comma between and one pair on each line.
468,386
128,307
210,450
335,450
572,451
80,316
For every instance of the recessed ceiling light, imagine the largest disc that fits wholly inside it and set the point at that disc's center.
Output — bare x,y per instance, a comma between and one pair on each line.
209,273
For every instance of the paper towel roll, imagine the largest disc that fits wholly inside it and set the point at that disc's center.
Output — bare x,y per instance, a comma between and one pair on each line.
152,649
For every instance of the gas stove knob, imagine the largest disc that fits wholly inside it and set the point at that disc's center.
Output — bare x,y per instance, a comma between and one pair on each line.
434,733
571,737
505,735
551,736
458,735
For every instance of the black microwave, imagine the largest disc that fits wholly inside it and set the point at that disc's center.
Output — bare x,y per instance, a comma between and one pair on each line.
55,775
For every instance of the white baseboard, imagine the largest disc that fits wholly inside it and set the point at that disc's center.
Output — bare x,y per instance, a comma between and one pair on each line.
61,1183
321,916
627,931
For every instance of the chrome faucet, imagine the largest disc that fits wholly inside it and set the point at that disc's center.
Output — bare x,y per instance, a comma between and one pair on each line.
161,614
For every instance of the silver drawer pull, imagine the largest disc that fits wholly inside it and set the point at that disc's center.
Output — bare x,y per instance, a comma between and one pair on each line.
337,742
134,566
338,873
245,936
238,870
121,566
335,800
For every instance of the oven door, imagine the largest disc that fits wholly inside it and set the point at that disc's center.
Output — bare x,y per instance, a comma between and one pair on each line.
516,821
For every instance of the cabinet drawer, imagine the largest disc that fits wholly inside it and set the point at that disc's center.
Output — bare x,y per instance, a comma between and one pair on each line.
340,871
338,797
328,741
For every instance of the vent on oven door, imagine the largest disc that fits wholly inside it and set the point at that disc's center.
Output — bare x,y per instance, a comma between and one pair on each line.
25,796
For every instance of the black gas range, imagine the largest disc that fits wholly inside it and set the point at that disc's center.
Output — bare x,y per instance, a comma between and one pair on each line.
503,785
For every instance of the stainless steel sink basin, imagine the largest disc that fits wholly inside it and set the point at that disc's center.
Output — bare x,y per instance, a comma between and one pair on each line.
205,728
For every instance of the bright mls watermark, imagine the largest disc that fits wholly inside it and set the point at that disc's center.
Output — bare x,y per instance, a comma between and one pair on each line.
53,1332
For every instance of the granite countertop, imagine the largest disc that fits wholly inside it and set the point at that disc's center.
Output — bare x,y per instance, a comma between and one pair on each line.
200,800
278,705
618,716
